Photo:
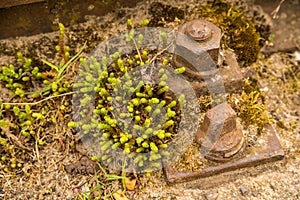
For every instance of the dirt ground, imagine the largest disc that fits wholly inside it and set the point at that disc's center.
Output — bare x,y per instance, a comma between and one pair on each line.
44,175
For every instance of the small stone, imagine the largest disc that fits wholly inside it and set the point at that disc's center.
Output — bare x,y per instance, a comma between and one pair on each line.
272,186
212,195
297,55
244,190
255,193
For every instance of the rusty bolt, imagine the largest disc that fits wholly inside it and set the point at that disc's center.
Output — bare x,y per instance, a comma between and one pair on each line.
197,45
197,48
230,141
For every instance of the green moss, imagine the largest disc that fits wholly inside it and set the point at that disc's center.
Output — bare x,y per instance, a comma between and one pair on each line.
239,31
139,107
251,105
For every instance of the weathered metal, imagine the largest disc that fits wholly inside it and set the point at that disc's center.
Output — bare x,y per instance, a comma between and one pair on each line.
199,42
231,73
31,17
197,48
267,149
231,76
199,30
220,133
223,147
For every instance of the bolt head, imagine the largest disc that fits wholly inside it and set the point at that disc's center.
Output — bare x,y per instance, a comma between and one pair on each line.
199,30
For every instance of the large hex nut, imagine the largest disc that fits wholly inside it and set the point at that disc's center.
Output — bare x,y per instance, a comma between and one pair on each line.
197,44
221,119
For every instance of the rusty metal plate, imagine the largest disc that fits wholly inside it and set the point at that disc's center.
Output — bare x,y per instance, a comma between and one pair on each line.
266,149
232,75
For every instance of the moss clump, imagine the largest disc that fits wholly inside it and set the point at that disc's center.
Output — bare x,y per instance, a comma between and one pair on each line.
239,31
251,105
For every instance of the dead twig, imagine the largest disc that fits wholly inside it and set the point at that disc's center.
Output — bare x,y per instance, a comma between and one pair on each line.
15,139
38,102
274,13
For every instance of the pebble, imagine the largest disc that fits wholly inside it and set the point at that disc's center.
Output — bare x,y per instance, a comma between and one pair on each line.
272,186
212,195
244,190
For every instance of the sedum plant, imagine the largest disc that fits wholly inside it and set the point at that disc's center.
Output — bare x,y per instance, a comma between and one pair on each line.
126,106
112,116
22,117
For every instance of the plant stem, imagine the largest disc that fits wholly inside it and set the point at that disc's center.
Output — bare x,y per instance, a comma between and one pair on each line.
35,103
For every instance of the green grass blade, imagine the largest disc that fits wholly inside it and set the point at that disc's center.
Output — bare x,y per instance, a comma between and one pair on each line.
51,65
61,70
45,89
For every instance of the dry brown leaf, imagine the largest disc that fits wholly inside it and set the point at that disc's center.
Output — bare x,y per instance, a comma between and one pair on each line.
130,183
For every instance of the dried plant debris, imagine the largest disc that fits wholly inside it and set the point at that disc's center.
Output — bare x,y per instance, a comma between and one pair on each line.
83,166
163,13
